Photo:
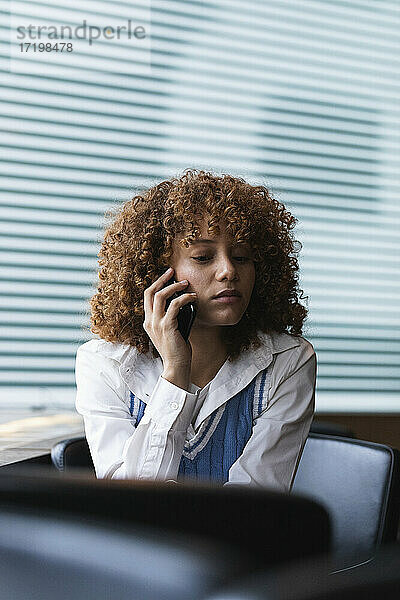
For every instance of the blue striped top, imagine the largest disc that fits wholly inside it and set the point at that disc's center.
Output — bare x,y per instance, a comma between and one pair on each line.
222,437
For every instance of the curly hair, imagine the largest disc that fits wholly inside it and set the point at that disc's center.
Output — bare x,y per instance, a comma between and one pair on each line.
138,244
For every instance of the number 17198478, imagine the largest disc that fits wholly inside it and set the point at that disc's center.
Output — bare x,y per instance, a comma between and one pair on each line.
46,47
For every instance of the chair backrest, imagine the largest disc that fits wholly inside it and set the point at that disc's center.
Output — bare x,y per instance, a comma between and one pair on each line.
53,556
358,483
267,526
70,453
312,579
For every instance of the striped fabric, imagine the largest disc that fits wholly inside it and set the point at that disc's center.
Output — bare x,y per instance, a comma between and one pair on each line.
136,409
221,438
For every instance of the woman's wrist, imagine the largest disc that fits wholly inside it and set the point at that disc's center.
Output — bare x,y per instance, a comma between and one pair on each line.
179,376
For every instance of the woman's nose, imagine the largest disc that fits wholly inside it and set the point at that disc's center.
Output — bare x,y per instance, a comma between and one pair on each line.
226,269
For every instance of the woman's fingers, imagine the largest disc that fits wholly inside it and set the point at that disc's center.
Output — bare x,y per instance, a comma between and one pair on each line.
161,297
149,292
156,296
177,303
161,324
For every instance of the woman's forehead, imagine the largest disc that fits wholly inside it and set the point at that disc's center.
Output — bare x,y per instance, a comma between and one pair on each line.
208,241
202,225
205,238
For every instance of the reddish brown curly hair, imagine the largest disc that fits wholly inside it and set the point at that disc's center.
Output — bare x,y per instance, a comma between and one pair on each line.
137,248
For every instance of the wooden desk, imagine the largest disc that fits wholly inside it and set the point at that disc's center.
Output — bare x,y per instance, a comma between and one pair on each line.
25,433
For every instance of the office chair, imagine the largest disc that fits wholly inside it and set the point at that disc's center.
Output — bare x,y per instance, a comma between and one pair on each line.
53,556
72,453
268,527
311,580
358,483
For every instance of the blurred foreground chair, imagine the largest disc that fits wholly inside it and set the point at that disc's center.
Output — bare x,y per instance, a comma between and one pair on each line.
268,527
359,484
54,557
311,580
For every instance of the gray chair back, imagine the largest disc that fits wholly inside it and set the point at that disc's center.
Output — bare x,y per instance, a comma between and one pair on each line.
312,580
72,453
268,527
358,483
54,556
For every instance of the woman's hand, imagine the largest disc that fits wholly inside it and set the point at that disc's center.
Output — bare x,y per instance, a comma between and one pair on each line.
162,328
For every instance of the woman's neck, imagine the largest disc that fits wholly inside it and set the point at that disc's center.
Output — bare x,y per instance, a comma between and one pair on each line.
208,355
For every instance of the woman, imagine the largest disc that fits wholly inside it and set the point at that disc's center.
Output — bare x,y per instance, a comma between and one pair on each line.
233,403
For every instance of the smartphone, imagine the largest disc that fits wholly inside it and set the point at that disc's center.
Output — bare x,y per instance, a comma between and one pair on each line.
186,314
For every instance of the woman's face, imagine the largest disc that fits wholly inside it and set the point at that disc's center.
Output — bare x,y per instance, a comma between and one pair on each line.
212,265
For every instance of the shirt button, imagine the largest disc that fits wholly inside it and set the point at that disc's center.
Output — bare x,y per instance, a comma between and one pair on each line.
174,405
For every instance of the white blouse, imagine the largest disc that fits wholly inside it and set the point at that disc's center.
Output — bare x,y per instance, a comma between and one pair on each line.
106,374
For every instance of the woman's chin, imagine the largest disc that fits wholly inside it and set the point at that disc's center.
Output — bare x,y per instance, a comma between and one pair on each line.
219,322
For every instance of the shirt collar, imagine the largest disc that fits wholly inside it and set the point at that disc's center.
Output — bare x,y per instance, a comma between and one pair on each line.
236,375
141,371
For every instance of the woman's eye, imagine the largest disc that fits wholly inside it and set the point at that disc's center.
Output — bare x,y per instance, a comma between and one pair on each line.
201,258
204,258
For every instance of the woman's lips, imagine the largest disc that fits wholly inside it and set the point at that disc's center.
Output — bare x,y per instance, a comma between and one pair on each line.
227,299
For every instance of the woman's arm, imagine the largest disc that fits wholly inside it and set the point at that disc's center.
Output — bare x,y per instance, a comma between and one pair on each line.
154,448
271,456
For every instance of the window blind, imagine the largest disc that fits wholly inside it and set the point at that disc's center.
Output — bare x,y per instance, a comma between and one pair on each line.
300,96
